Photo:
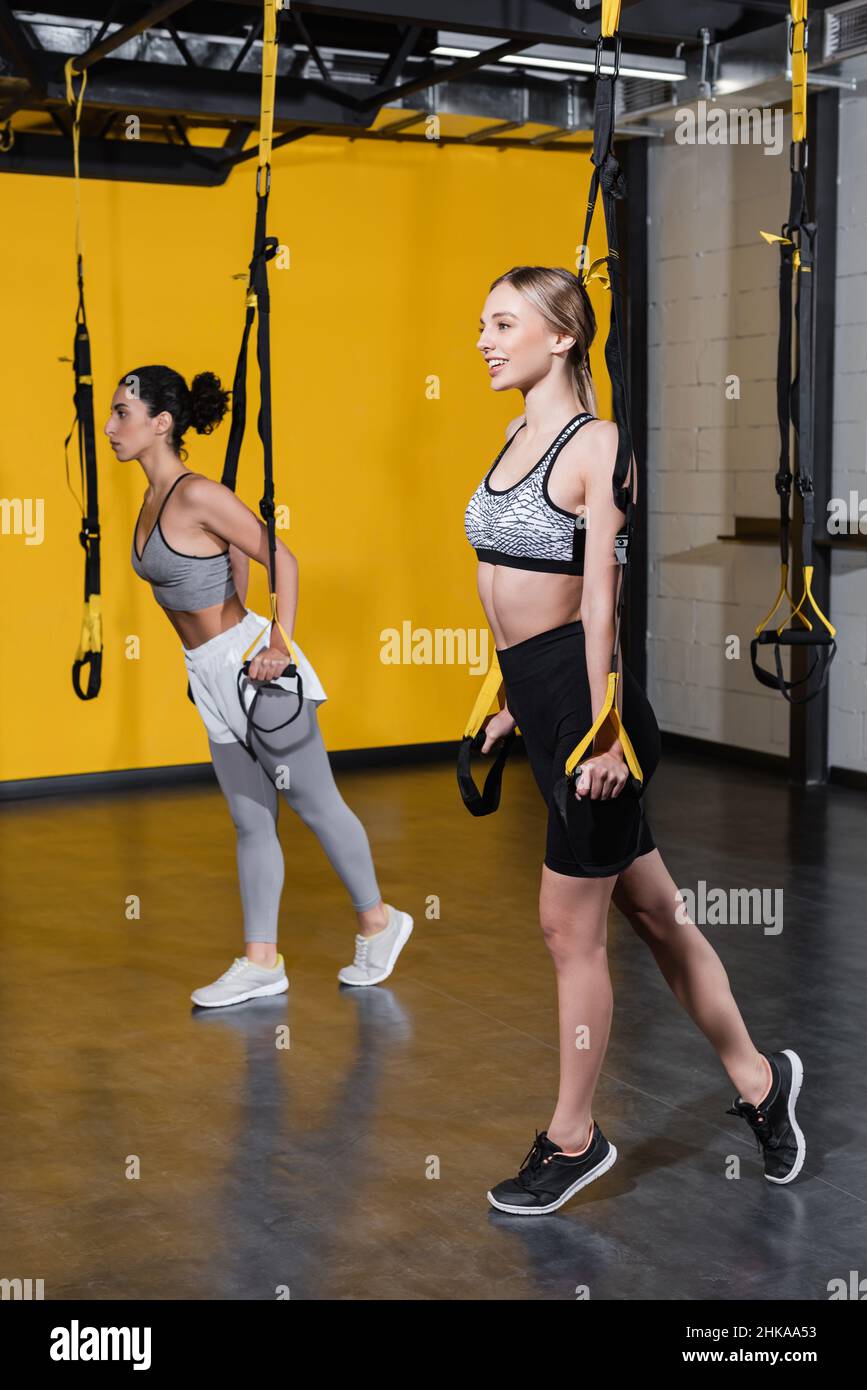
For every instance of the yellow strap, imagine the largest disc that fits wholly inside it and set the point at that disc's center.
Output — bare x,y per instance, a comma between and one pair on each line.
784,592
610,18
75,105
787,241
770,238
808,593
799,70
486,697
594,273
91,628
269,81
273,619
610,711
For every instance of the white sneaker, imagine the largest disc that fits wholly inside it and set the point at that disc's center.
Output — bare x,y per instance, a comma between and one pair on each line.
375,955
242,980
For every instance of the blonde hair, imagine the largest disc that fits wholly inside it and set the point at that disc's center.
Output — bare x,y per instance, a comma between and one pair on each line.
565,304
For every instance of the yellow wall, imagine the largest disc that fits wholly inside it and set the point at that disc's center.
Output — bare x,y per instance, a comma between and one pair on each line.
393,248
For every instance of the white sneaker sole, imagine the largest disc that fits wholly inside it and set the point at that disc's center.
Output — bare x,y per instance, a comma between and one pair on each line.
596,1172
400,941
797,1079
279,988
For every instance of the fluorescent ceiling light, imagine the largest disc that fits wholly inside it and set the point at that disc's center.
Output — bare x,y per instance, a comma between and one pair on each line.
554,58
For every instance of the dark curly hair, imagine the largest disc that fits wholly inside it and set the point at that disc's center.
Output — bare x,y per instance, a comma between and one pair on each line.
202,404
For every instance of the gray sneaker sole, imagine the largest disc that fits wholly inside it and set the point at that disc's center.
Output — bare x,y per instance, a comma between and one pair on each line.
279,988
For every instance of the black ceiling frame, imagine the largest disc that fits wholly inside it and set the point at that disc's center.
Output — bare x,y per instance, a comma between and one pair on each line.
208,166
191,93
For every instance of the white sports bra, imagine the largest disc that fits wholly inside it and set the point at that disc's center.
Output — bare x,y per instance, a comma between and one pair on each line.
520,525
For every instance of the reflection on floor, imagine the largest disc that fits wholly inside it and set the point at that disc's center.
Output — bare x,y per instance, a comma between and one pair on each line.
307,1169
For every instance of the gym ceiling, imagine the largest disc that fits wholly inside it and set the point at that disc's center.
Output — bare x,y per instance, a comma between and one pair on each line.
498,72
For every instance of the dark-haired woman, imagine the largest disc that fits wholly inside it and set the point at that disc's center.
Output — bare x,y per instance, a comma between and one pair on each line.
193,542
543,522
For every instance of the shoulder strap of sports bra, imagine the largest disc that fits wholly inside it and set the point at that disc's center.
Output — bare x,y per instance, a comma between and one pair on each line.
190,474
575,424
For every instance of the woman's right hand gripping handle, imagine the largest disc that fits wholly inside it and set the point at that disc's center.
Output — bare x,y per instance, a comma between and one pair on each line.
496,729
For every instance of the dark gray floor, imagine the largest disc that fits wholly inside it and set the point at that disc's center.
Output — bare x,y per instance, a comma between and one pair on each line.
264,1167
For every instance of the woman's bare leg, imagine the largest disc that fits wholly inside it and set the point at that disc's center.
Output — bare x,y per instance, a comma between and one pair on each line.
647,895
573,913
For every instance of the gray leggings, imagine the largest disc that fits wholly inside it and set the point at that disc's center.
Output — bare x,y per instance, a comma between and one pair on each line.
294,760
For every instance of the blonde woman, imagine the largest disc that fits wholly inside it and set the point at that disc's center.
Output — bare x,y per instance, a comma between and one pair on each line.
543,522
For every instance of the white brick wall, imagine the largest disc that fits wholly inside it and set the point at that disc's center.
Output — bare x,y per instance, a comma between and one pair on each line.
713,313
847,734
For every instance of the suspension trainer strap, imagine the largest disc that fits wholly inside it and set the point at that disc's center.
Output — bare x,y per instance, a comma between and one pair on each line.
483,803
608,179
258,309
90,643
797,246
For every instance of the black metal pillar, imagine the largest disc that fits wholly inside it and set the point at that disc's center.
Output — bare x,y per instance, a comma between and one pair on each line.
808,726
632,233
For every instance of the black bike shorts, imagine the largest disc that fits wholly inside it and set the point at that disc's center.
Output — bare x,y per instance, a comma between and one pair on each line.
548,694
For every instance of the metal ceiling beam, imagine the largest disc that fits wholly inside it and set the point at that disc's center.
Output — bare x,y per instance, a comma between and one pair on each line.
129,31
534,21
18,48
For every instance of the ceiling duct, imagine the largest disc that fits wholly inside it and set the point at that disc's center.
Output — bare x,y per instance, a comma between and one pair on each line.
636,97
845,30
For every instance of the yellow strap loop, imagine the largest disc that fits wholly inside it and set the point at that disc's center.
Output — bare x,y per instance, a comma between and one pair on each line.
787,241
784,593
594,273
770,238
75,103
273,619
808,594
91,628
610,18
269,81
610,711
799,70
485,698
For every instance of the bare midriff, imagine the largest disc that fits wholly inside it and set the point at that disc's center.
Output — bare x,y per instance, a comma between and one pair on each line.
196,628
522,603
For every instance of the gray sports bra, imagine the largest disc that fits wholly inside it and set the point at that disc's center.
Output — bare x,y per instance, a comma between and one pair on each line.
187,583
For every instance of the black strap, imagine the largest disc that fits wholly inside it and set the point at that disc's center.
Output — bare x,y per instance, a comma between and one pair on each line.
795,409
609,179
258,309
826,649
89,535
482,803
248,713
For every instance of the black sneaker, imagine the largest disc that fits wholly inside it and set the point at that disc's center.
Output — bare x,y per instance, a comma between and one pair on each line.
548,1177
773,1120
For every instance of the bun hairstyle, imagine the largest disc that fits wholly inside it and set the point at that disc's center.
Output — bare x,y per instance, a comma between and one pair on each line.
564,302
201,405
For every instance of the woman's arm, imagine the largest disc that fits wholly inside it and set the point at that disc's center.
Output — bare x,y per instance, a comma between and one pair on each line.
216,509
601,580
240,571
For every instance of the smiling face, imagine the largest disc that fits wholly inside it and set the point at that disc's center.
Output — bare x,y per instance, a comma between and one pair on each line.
516,341
131,431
